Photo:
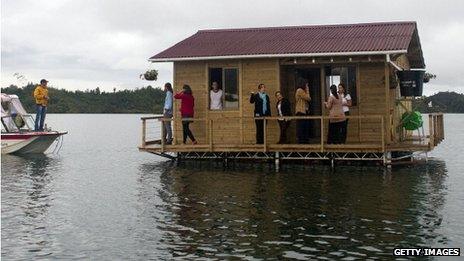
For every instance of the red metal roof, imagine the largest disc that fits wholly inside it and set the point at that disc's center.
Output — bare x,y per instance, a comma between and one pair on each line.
291,40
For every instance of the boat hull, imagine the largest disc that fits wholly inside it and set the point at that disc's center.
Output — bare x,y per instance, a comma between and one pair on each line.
28,143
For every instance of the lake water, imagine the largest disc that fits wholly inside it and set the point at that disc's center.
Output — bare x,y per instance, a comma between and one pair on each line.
100,198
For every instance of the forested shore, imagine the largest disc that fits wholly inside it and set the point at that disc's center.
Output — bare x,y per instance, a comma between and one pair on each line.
150,100
141,100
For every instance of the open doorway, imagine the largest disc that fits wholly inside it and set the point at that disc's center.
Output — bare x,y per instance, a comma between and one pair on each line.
289,77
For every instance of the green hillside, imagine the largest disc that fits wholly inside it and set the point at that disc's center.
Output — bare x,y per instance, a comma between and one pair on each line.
143,100
448,102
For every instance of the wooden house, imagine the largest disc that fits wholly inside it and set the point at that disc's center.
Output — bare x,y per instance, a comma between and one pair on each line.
365,57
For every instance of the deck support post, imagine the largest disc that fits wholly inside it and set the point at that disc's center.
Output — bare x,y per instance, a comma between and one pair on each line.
277,161
332,161
178,158
387,159
225,160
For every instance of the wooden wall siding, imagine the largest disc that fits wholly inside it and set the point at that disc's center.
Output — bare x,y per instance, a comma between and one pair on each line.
255,72
193,74
398,110
226,126
353,126
403,61
372,91
371,101
226,130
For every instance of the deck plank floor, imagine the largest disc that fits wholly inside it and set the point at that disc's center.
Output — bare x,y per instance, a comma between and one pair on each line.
351,147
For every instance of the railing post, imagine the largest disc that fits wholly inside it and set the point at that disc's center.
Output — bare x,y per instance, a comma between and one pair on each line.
210,139
431,132
265,134
435,130
439,120
163,131
442,125
383,133
322,133
144,132
439,127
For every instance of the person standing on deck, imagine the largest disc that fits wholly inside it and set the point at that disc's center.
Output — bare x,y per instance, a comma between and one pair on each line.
186,110
262,109
283,109
215,96
167,113
41,103
337,117
302,98
346,103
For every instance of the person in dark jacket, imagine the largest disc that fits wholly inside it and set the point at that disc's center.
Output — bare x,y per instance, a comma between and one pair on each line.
262,109
186,111
283,109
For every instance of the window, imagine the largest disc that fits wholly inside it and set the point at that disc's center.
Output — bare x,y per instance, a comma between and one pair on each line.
342,74
227,79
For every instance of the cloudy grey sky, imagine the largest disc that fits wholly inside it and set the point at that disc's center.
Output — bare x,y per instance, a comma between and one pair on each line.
82,44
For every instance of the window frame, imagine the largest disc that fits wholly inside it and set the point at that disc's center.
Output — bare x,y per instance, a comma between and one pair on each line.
223,85
354,98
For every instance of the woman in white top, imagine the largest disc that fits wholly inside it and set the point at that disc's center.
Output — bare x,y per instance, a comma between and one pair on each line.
215,97
346,103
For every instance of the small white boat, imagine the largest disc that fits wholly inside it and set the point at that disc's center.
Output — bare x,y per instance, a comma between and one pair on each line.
18,135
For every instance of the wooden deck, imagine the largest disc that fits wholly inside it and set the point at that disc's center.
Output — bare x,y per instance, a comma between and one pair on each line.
363,147
411,143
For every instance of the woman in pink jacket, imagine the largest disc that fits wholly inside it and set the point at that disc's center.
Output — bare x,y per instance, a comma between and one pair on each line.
186,111
337,117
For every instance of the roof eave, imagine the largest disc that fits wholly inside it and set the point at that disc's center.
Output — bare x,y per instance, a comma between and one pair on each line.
285,55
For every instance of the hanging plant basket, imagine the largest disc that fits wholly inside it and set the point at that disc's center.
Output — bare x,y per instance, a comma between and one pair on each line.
428,77
150,75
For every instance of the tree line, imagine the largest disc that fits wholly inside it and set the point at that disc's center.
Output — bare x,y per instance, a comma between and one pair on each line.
141,100
151,100
448,102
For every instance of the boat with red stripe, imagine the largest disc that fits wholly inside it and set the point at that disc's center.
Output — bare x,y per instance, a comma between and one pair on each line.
18,135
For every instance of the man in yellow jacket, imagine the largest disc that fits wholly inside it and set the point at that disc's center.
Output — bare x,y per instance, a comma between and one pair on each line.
41,101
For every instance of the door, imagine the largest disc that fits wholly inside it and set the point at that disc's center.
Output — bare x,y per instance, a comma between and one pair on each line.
289,77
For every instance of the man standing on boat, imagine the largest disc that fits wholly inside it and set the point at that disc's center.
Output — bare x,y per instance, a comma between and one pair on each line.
41,101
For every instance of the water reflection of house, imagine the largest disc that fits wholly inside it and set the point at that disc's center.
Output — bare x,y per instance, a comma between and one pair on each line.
365,57
215,213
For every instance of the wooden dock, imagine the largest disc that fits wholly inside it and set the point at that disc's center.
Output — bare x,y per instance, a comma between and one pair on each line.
378,149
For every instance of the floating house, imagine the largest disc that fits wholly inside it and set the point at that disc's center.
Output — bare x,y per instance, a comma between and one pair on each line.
365,57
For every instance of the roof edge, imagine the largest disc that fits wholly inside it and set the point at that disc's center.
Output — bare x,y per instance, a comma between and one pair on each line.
287,55
303,26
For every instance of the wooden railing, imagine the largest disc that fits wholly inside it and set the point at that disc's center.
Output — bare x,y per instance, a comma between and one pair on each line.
144,129
436,129
209,125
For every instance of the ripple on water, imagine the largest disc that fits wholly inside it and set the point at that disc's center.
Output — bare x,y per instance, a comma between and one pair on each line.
297,255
